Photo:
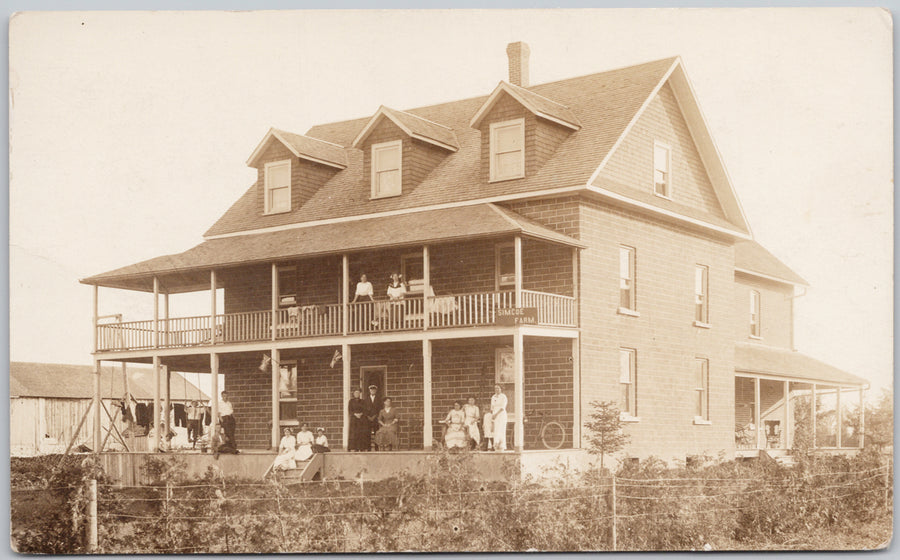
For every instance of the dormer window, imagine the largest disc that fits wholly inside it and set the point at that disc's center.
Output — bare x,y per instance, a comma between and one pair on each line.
508,150
278,187
662,163
386,161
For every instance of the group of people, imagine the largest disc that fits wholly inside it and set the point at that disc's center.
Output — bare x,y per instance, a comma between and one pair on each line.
374,422
461,424
396,292
300,447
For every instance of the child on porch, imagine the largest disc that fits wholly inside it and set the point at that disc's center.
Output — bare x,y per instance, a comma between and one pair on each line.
321,444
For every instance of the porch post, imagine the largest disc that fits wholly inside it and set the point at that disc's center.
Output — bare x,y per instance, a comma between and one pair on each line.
345,362
840,417
345,314
214,400
276,412
576,392
426,301
518,351
812,416
167,396
156,312
426,393
862,419
274,311
96,316
155,443
166,318
212,311
97,435
786,431
518,252
575,277
756,411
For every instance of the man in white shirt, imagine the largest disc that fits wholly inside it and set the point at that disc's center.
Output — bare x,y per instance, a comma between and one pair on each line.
498,414
226,418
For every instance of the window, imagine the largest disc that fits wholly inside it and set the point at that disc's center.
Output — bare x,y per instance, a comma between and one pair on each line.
628,382
278,187
412,268
754,314
508,150
701,294
386,169
287,286
505,265
661,164
626,278
702,381
287,393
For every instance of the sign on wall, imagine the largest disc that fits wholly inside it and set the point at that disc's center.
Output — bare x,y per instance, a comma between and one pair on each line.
516,316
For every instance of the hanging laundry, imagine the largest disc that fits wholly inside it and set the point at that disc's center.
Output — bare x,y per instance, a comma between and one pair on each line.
180,415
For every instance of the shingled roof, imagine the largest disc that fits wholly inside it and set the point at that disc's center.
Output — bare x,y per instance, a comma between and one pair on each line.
304,147
416,127
751,257
602,104
756,358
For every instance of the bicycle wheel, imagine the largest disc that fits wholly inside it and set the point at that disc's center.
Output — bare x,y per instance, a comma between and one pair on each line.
553,435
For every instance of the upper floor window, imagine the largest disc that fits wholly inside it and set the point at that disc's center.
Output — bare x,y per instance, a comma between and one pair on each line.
508,150
628,382
702,371
626,278
701,294
278,187
754,314
386,161
662,163
505,265
287,286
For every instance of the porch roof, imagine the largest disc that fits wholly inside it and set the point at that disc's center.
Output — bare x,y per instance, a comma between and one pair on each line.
759,359
184,272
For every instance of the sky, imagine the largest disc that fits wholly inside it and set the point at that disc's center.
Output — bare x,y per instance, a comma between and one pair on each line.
130,133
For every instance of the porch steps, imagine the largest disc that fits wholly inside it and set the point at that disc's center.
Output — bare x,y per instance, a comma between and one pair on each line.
782,457
305,471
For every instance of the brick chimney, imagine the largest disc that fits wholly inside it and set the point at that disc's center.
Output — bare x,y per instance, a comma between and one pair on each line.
518,63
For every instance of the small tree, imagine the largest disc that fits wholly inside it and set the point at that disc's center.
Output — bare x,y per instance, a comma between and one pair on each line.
605,427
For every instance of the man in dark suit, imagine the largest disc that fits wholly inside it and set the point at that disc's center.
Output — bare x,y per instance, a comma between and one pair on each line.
372,407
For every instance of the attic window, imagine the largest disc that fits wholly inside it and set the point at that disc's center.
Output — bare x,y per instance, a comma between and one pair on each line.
386,161
278,187
661,170
508,150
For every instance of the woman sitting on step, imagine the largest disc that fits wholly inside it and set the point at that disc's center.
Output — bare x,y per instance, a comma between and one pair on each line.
286,450
305,440
455,437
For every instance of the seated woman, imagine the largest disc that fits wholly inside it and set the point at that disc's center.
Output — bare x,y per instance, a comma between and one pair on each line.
387,438
321,443
456,427
472,414
305,440
287,447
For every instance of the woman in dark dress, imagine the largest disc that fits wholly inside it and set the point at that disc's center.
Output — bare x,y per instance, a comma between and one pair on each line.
359,424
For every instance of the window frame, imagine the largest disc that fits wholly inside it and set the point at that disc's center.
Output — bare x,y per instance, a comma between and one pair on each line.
289,399
631,308
267,188
284,270
520,122
499,248
668,171
755,315
701,298
383,146
628,388
701,412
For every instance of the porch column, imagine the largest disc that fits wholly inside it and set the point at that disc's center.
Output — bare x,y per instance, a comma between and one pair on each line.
274,310
345,316
96,317
155,313
426,393
518,351
518,255
97,436
166,318
214,400
576,392
786,431
840,417
155,442
347,384
812,416
862,419
167,398
276,412
756,411
575,291
212,312
426,301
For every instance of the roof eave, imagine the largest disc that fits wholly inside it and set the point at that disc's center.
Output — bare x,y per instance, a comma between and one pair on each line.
504,87
803,284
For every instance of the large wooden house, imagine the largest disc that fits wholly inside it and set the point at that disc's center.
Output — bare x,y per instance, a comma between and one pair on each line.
574,241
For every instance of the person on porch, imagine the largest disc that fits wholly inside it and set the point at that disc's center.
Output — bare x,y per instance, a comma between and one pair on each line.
498,416
194,412
286,449
321,442
373,406
387,438
226,419
305,441
472,414
396,293
364,289
455,436
359,426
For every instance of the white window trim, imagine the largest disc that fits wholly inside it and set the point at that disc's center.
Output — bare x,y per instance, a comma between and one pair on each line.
268,210
493,127
381,146
281,295
627,312
632,266
293,364
758,310
498,285
704,324
668,148
699,419
627,416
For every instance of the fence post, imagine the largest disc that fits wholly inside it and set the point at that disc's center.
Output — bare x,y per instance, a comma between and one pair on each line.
614,521
92,517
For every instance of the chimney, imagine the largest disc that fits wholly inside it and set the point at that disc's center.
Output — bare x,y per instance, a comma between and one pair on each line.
518,63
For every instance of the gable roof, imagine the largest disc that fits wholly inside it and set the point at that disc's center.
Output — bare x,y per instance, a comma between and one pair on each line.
757,358
408,229
604,104
534,102
415,127
30,379
752,258
303,147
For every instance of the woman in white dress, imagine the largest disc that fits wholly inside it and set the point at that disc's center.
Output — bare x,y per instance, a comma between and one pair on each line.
498,413
456,430
305,440
286,449
472,413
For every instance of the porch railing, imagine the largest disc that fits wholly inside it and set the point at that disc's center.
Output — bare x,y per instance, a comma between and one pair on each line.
445,311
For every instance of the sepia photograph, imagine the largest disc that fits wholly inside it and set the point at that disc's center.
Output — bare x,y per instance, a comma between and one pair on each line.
451,280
